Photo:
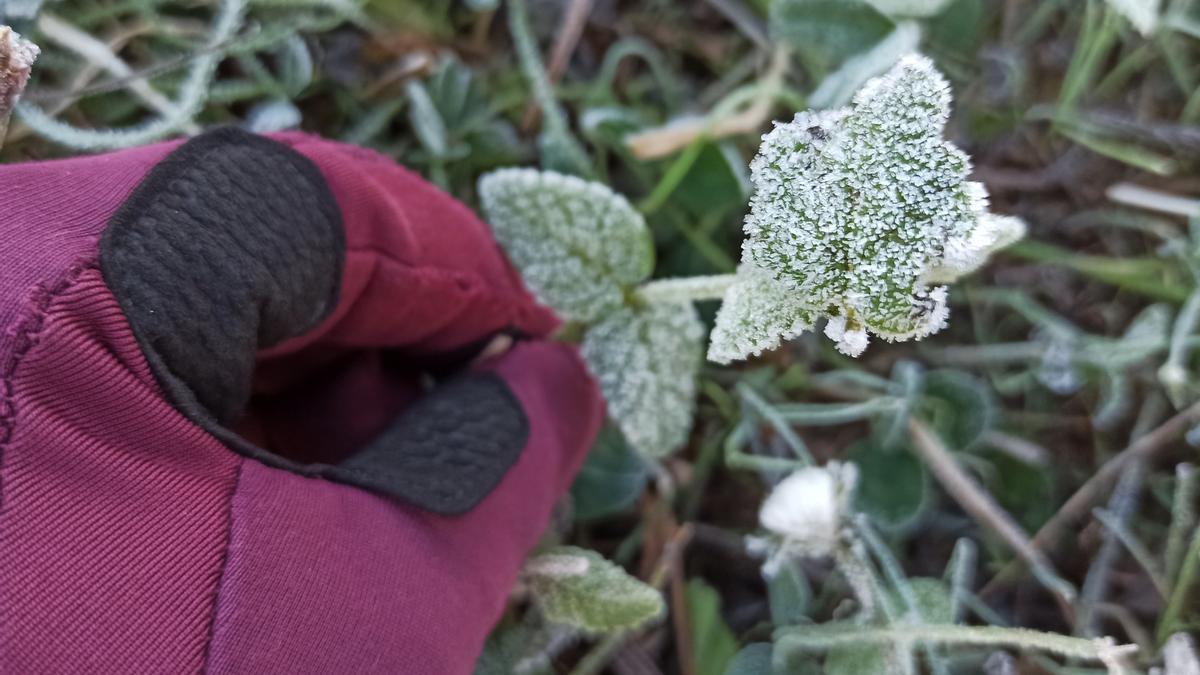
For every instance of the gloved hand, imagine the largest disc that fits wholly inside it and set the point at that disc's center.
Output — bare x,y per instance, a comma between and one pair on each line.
242,425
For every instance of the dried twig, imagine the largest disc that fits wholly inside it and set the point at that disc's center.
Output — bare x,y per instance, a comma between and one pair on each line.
569,32
673,136
97,53
16,61
1081,503
980,505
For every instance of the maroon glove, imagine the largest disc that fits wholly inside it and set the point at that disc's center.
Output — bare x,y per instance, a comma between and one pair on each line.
221,447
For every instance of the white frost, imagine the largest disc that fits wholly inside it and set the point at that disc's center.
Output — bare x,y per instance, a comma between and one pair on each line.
808,509
856,214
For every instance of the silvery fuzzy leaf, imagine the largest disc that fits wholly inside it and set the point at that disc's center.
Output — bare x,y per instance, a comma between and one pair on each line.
579,588
859,211
578,245
646,360
756,313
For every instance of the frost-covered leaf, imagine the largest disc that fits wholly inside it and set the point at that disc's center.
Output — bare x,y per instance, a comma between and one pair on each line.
579,245
788,595
861,211
579,588
646,360
932,598
758,312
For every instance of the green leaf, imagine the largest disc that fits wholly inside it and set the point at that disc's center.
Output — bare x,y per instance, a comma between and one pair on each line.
960,407
933,600
715,184
753,659
611,479
646,360
579,245
1024,490
510,646
426,122
713,644
893,486
958,28
579,588
788,594
826,32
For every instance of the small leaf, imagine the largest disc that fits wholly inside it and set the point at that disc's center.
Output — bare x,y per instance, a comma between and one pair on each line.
753,659
893,486
757,313
933,600
788,594
578,244
579,588
426,121
713,644
715,184
611,479
646,360
960,407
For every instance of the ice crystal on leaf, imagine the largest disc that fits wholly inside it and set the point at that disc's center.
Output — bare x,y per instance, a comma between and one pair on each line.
578,244
859,215
646,360
579,588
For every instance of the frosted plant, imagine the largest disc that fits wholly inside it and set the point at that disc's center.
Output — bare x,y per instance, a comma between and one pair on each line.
579,588
859,215
646,360
577,243
583,249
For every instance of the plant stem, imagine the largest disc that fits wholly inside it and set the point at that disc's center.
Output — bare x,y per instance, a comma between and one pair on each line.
979,504
823,637
557,131
687,288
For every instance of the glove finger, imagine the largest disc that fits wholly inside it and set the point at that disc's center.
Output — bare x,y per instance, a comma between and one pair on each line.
239,258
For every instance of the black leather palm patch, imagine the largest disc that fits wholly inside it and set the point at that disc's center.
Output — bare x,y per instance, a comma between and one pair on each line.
235,243
444,451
